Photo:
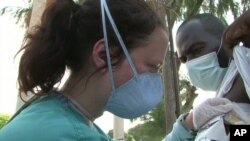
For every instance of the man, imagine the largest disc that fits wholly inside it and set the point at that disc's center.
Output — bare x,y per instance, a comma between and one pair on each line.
199,36
238,31
199,47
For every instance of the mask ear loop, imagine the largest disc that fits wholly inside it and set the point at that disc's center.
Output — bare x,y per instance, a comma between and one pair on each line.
107,47
119,38
221,42
104,8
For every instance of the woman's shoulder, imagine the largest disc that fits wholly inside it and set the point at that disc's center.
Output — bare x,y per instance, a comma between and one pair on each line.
50,118
45,119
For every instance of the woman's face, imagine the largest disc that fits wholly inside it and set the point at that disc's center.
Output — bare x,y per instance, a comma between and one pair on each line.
146,58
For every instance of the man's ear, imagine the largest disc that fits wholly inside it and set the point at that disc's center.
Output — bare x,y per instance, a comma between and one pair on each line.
99,54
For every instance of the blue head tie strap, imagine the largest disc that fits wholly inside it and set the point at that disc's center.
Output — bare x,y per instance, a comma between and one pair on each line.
105,9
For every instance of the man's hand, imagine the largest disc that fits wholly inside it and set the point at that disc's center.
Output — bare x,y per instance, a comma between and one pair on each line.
238,31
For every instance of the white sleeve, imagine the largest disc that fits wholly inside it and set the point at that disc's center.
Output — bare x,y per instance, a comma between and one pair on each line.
242,60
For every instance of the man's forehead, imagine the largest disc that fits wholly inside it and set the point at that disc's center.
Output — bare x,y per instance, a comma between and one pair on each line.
188,32
193,22
189,28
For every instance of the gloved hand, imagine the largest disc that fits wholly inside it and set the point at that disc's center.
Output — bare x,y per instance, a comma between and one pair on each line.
239,115
209,109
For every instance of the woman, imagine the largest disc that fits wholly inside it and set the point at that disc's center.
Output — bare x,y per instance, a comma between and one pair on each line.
112,68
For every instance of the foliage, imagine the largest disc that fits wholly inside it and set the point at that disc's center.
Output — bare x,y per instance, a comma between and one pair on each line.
182,9
153,128
22,14
129,137
146,132
3,120
187,95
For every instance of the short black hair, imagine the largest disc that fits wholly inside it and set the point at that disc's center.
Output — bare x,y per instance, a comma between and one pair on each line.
211,24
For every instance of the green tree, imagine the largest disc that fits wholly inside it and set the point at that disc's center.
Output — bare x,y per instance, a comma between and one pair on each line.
187,95
3,120
153,128
22,14
129,137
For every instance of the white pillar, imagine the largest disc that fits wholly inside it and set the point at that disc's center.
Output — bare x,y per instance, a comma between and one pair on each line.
118,129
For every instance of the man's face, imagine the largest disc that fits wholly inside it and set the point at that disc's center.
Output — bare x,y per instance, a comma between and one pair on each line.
193,41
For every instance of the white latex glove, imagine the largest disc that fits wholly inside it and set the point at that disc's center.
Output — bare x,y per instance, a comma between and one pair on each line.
209,109
239,115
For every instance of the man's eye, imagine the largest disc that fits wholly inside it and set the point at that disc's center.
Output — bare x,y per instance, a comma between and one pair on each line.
183,59
197,51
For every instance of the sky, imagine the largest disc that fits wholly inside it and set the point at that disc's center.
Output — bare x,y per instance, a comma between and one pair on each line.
11,36
10,40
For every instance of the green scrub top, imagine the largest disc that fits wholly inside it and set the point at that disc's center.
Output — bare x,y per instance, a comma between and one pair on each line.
51,118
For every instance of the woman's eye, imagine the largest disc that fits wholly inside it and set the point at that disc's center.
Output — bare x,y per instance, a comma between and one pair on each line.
158,68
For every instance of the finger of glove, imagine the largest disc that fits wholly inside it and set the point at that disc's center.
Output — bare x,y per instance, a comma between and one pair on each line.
221,109
202,115
218,101
213,110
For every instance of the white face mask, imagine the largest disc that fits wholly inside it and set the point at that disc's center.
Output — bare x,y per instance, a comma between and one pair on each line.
205,72
247,87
